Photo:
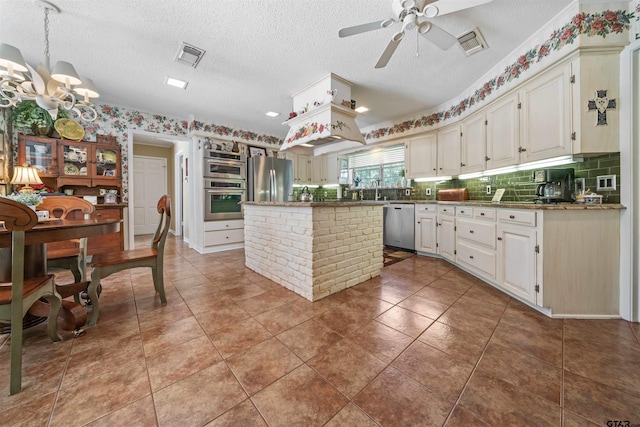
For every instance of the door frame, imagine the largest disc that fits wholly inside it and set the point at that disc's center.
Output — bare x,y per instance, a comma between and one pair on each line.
128,226
178,176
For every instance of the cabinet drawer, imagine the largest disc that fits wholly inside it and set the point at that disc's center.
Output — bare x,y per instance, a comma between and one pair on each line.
480,259
447,210
483,233
106,214
422,209
464,212
224,225
484,214
517,217
223,237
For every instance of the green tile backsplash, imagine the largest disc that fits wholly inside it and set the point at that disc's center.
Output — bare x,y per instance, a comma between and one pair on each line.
517,185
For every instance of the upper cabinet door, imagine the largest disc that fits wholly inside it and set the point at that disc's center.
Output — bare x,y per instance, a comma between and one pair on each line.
545,119
449,150
503,133
474,144
421,156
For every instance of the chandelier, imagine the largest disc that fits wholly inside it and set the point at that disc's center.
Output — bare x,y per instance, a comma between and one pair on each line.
51,90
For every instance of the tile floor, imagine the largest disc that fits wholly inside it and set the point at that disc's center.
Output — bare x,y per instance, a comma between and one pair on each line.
423,344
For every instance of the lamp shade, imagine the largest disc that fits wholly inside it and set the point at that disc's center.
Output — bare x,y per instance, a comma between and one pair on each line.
25,175
11,58
87,88
65,73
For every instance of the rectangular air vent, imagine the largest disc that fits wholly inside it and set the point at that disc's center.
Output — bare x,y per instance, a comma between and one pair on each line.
189,54
472,42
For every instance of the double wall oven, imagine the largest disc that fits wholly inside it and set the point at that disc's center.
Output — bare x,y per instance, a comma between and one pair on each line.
225,177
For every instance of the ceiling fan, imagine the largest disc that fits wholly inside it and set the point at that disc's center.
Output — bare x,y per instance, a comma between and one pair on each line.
412,14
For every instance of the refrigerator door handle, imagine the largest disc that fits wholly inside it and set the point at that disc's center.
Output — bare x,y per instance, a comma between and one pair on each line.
273,191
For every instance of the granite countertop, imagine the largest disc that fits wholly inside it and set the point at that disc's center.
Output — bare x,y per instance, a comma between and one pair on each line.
506,204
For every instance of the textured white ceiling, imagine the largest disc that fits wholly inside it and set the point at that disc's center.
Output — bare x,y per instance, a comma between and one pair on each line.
260,52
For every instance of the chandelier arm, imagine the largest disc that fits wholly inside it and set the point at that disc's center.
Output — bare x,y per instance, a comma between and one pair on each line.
85,111
9,96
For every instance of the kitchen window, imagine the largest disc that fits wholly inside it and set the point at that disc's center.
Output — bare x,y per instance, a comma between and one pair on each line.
384,164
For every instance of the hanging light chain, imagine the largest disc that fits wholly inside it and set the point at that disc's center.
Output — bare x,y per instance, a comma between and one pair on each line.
46,36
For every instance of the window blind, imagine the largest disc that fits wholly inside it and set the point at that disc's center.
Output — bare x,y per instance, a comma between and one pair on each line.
375,157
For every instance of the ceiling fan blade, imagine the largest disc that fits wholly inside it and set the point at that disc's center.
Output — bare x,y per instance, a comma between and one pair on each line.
437,35
390,49
442,7
363,28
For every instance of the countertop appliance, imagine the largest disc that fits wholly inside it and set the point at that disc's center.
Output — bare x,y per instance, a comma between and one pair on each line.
270,179
398,226
554,185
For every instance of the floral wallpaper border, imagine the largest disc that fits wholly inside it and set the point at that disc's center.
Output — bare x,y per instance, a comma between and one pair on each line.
592,25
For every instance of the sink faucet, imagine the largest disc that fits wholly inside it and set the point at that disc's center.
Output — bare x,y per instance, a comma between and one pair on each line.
375,183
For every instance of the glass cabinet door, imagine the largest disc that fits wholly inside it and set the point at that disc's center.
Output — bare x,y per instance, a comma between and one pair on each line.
107,163
39,153
75,160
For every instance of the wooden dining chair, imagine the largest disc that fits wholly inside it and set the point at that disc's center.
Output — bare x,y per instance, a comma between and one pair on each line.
70,255
19,295
105,264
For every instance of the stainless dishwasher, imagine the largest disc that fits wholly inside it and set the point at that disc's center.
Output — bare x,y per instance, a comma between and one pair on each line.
398,226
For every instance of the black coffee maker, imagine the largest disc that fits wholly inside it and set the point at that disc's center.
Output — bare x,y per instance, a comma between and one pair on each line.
554,185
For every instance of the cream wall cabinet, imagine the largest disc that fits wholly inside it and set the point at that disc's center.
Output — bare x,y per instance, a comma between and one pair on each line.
301,168
474,144
449,150
545,117
503,139
421,156
426,220
324,169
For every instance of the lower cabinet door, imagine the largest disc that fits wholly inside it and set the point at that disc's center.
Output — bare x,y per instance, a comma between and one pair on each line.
517,261
426,234
447,237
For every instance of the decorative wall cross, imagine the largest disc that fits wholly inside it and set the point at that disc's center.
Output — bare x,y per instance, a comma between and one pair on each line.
601,103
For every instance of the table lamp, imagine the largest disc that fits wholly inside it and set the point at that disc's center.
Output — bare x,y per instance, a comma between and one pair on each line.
25,175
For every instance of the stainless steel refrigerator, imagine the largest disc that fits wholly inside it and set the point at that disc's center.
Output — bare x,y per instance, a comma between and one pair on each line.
270,179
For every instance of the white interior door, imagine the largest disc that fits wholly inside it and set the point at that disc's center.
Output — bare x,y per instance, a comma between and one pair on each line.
150,181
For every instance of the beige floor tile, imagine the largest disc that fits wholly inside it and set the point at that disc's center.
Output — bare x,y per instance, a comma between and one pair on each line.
140,413
383,342
462,345
309,338
405,321
244,414
300,398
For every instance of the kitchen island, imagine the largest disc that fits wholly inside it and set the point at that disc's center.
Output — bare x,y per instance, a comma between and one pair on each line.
314,248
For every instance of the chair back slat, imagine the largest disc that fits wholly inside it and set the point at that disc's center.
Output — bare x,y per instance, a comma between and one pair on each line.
16,215
63,206
164,209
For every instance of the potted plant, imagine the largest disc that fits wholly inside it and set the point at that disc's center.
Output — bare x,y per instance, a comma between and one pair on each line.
28,115
30,199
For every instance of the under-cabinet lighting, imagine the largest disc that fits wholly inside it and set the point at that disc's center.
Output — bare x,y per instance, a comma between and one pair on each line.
556,161
361,110
434,178
308,185
181,84
330,185
305,145
272,114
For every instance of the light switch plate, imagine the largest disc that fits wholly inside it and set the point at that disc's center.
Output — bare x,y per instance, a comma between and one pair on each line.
407,192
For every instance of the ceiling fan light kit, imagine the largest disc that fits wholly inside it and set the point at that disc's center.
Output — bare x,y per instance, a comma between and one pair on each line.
50,90
409,13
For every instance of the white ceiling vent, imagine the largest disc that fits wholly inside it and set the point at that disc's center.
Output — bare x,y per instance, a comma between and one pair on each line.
472,41
189,54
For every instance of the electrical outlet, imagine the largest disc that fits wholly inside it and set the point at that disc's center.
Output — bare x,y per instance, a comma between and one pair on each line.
488,189
407,192
428,191
606,183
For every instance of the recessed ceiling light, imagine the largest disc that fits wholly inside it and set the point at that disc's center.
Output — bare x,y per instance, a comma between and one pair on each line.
176,83
362,110
272,114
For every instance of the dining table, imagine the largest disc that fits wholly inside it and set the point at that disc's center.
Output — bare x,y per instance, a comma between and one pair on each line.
36,239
